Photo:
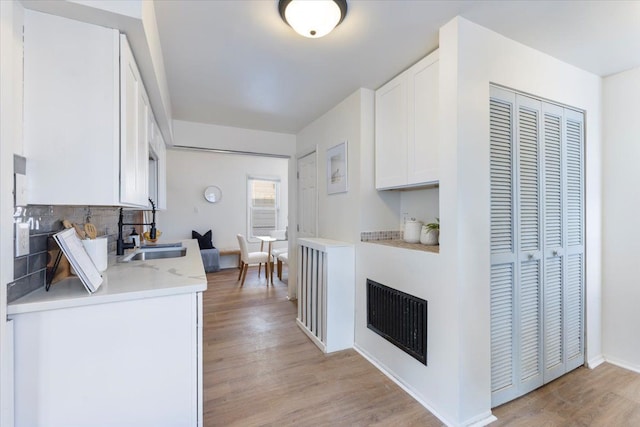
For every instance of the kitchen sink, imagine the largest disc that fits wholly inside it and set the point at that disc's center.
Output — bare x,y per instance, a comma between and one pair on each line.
156,253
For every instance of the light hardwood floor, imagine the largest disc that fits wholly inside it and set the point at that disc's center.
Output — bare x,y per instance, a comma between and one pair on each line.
606,396
260,369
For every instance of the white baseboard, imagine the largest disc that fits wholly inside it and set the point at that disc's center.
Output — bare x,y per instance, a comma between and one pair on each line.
479,421
312,337
622,363
594,362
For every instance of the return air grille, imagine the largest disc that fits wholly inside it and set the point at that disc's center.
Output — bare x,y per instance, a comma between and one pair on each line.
398,317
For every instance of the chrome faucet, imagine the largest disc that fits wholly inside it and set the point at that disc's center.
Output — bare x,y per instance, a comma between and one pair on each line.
120,243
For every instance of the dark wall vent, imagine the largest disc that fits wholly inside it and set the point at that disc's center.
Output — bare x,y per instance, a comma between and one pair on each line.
398,317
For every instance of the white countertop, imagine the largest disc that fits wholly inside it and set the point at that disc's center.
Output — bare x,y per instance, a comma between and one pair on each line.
123,282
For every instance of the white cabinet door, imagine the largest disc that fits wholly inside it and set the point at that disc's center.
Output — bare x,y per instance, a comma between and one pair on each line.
423,141
134,153
407,127
71,109
131,363
391,133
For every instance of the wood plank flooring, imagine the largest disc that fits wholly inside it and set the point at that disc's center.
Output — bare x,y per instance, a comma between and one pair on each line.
605,396
261,370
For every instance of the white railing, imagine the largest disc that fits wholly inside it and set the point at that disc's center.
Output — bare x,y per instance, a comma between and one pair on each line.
326,292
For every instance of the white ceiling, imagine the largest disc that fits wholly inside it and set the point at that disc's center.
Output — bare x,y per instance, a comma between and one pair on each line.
236,63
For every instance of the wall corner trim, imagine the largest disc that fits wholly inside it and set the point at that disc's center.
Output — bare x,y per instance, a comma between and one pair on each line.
596,361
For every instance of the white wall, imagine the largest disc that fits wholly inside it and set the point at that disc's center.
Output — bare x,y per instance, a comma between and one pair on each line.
11,17
423,205
621,205
343,216
189,172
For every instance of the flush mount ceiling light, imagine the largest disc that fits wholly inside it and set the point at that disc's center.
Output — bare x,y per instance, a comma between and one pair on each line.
313,18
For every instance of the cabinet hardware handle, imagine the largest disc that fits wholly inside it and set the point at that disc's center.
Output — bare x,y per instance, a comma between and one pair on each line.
555,253
529,256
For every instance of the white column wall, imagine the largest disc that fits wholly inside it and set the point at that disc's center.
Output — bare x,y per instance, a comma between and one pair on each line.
621,205
481,57
456,385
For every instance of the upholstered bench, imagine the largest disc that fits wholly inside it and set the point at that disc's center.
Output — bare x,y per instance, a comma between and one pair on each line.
210,259
232,251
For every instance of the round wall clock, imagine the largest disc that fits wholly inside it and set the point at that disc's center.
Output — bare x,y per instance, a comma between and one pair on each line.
213,194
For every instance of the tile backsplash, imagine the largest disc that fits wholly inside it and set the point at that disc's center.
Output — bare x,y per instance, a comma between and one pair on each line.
29,271
369,236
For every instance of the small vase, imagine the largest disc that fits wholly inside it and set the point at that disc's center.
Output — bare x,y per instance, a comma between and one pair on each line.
412,231
429,237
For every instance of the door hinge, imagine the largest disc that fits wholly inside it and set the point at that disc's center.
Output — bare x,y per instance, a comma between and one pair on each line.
298,175
298,227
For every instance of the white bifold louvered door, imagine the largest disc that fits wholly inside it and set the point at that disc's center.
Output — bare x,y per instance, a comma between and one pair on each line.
537,243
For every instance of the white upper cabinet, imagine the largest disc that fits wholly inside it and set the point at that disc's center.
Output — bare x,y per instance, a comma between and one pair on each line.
391,133
134,131
76,153
406,129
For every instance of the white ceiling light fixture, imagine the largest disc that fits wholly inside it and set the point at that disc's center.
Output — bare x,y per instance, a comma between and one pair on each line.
313,18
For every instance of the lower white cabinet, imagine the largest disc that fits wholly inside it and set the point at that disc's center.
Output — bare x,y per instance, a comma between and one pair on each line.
131,363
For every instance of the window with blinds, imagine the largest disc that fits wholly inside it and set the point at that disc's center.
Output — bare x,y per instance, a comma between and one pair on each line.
263,205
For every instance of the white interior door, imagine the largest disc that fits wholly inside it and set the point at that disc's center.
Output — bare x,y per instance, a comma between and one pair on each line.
307,196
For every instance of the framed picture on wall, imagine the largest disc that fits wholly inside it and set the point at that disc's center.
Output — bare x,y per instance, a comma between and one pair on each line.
337,169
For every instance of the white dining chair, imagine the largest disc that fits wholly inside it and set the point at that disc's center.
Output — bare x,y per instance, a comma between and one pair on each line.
283,258
250,258
281,235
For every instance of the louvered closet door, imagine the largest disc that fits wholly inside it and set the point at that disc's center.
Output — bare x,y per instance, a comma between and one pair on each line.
503,245
529,226
575,255
537,243
554,255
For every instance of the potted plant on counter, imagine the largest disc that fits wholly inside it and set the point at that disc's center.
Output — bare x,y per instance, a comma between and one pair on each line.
430,233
